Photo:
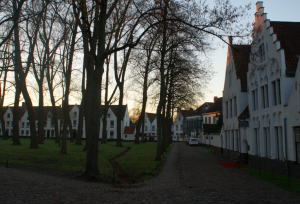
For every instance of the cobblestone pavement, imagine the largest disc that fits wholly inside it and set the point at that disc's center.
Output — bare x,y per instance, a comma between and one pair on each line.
190,175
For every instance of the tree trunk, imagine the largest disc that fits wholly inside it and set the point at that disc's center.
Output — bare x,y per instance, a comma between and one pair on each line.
22,77
162,97
71,129
16,112
119,117
41,127
81,110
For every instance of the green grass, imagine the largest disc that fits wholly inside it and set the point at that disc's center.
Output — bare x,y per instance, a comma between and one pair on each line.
210,149
138,159
279,180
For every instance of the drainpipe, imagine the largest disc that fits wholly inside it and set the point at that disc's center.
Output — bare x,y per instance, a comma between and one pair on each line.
285,137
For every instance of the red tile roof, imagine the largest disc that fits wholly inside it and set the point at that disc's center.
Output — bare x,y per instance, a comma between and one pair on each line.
129,129
241,59
288,34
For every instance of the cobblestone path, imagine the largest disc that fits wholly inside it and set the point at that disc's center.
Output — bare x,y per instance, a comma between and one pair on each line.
190,175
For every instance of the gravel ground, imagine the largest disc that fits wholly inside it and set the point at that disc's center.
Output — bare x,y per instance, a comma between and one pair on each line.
190,175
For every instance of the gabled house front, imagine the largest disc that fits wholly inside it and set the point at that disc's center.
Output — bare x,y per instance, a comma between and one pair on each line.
271,81
235,99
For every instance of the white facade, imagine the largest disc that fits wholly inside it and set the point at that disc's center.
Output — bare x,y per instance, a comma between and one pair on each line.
24,124
177,127
235,98
150,124
292,120
269,89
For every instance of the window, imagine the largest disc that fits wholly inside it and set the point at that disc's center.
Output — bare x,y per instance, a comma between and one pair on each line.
52,133
153,128
256,138
74,123
108,115
8,115
230,78
181,127
297,140
279,91
111,135
230,102
276,92
52,123
146,128
75,114
22,132
261,52
27,117
209,119
12,124
11,132
254,97
23,124
112,124
235,106
7,123
226,109
27,125
27,133
176,127
267,95
125,136
263,97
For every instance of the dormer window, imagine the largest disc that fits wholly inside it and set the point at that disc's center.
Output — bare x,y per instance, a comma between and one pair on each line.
108,115
8,115
75,114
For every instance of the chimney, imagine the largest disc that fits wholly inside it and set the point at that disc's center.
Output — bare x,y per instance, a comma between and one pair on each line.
230,40
215,99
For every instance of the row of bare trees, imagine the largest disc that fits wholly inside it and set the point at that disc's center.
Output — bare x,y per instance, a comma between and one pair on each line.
159,39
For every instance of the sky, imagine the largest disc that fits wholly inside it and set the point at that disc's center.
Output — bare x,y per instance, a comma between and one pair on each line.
277,10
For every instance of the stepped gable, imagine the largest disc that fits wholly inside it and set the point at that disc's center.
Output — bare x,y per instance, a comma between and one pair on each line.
288,35
151,116
129,129
215,107
241,59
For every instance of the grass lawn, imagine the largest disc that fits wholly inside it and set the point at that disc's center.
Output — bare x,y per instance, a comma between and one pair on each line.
210,149
279,180
139,161
48,156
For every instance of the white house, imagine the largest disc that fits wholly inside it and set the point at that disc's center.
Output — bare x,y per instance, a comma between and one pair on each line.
271,79
235,98
210,134
292,120
112,121
129,133
177,127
